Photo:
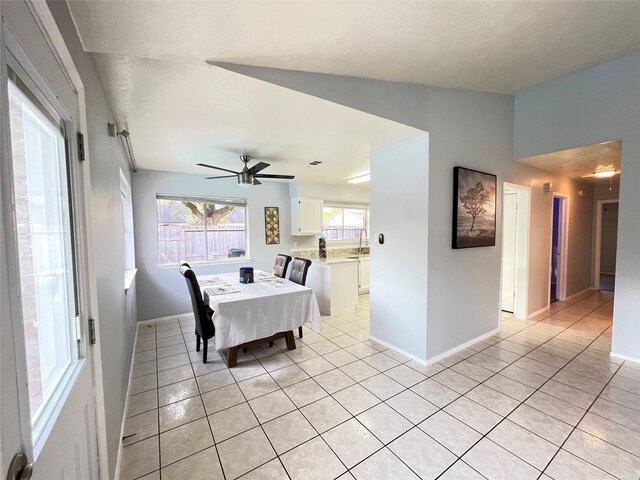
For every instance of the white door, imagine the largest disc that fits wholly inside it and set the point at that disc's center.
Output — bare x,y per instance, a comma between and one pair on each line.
509,224
47,402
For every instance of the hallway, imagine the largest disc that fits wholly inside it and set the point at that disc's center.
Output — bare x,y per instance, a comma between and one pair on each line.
542,399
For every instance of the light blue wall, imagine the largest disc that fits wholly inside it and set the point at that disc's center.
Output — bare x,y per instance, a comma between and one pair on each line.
595,105
399,265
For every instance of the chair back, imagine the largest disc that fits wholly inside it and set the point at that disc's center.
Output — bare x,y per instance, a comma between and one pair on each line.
299,270
281,264
204,325
183,263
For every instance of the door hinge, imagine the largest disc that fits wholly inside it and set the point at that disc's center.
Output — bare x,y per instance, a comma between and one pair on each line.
81,156
92,331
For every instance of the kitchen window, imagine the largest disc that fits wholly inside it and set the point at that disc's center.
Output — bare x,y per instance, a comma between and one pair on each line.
201,229
344,222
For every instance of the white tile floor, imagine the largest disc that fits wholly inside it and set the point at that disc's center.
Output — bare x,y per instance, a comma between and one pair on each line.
542,399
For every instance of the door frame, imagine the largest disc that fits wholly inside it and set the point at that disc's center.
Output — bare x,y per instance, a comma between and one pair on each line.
598,248
563,246
83,214
523,242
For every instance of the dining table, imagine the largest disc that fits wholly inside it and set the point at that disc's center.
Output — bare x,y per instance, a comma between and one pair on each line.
267,309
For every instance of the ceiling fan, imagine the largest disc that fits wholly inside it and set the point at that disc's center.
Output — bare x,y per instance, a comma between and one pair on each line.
248,176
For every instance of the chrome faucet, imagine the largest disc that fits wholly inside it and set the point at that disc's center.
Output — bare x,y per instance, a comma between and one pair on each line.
360,240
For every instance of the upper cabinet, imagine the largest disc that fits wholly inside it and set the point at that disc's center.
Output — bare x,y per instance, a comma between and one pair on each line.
306,216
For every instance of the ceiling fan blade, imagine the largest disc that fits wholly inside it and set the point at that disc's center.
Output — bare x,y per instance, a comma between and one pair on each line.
256,181
217,168
258,167
223,176
266,175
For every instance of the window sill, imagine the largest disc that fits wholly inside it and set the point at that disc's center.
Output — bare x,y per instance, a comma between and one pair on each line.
210,263
129,276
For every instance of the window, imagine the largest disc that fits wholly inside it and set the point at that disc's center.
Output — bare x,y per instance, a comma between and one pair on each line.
201,229
127,223
45,249
344,222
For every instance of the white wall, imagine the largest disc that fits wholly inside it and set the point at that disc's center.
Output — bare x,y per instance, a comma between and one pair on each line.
106,157
399,210
595,105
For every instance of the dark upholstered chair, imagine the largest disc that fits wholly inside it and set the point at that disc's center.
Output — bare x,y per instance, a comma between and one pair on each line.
298,274
201,312
184,264
281,264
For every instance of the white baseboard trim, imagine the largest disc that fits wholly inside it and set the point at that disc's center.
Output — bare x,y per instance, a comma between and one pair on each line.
581,292
396,349
537,312
126,407
442,355
624,357
165,319
463,346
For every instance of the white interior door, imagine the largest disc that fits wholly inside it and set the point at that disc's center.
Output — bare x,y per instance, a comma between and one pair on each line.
509,237
47,404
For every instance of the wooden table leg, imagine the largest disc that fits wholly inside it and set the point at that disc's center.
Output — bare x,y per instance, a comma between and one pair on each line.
233,357
291,341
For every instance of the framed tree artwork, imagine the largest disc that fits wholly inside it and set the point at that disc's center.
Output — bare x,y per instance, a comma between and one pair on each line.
474,208
272,225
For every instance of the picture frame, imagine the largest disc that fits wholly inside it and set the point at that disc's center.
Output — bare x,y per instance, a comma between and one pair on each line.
272,225
474,208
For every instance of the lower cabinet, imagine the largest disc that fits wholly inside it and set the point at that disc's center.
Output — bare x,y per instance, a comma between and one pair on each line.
363,275
335,285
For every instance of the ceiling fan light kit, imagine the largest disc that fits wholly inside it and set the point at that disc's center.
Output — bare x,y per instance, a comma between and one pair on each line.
248,176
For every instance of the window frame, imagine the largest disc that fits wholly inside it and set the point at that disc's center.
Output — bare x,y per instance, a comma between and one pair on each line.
343,206
231,201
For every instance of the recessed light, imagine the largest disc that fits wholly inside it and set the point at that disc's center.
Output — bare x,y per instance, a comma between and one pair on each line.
360,179
604,173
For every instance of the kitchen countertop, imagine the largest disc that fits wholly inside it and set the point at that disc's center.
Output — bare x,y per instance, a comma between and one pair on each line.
332,260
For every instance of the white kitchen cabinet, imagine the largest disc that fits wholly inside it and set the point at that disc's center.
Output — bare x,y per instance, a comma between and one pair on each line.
306,216
335,284
363,275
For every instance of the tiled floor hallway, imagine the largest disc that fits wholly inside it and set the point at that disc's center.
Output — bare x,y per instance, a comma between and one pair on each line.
542,399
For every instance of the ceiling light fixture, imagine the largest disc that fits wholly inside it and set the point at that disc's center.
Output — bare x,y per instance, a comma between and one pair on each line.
604,173
360,179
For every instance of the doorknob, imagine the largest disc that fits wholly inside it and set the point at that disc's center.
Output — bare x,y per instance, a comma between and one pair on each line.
20,468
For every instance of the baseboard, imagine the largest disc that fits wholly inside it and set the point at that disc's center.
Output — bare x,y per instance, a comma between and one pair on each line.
463,346
576,295
396,349
538,312
165,319
126,407
442,355
625,357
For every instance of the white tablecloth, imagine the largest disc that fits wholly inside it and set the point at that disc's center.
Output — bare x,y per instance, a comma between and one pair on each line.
258,310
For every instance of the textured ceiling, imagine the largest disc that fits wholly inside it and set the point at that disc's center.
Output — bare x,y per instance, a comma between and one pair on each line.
181,115
151,56
582,162
497,46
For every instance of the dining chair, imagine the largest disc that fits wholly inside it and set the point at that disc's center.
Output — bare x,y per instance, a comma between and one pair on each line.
202,313
184,264
280,266
298,274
